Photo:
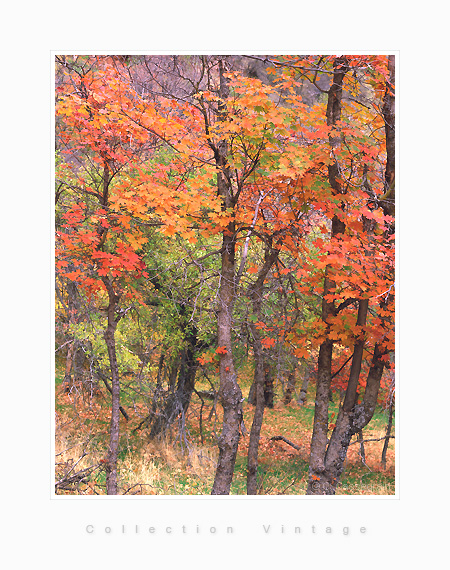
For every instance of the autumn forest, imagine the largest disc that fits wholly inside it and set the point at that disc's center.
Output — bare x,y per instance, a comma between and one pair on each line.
224,275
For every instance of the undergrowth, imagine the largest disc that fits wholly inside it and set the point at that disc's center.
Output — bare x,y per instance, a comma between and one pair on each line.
186,465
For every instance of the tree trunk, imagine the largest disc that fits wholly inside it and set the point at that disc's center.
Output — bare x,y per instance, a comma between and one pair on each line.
229,392
362,452
303,391
67,382
388,203
263,382
109,336
388,433
258,383
336,452
179,398
73,315
268,388
320,427
290,387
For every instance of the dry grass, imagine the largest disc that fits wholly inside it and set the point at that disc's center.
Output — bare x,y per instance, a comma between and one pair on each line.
167,468
152,468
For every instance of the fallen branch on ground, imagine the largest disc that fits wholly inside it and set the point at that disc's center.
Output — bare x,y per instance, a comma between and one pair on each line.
374,439
282,438
80,477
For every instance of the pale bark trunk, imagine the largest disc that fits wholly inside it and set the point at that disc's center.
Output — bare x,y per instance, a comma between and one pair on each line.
229,393
303,391
290,387
114,433
388,433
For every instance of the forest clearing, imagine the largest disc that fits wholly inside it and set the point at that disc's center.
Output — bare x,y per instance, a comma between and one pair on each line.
225,275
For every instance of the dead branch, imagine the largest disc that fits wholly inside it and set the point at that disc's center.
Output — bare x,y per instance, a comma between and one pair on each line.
373,439
80,477
282,438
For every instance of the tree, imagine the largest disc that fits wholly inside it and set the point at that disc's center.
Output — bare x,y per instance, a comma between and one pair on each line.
95,138
101,236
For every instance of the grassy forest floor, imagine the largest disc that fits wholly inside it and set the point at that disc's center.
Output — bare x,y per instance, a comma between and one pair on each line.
186,465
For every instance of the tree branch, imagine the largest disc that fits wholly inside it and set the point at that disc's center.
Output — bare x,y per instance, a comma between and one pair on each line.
282,438
373,439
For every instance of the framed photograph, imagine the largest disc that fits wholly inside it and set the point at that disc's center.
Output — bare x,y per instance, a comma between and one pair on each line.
226,366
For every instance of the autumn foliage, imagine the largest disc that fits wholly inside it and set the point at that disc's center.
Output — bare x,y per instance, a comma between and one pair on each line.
140,169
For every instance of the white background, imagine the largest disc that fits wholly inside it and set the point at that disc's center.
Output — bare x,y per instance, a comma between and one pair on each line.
40,531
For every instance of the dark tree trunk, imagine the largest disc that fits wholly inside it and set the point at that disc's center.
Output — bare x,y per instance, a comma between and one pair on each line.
320,427
336,451
388,200
73,314
263,381
110,340
268,385
179,398
363,413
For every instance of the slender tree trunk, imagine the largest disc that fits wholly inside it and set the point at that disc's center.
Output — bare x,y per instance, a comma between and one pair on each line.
262,371
364,411
388,433
73,314
109,335
268,387
252,457
303,391
320,426
362,452
67,382
388,203
290,387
